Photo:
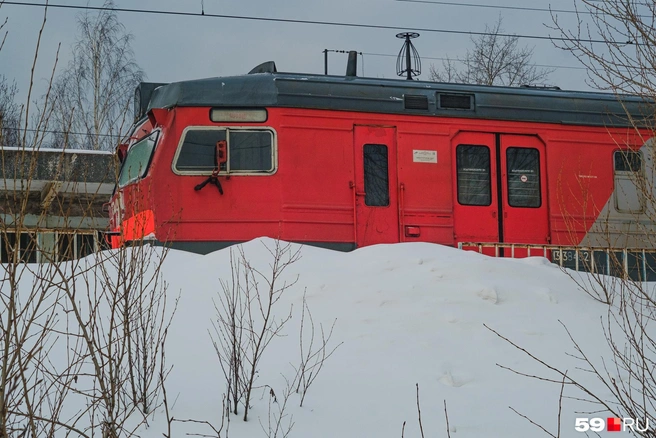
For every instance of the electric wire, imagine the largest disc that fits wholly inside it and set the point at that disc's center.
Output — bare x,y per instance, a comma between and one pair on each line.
461,60
477,5
310,22
511,8
52,131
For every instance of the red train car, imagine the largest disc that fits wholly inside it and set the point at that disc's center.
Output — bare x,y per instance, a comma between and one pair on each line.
343,162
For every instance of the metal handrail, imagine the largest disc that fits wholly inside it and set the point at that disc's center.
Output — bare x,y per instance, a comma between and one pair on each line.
588,265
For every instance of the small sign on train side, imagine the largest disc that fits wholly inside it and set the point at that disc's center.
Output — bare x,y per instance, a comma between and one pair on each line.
421,156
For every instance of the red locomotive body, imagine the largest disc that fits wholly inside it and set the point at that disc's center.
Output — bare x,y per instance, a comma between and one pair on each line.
345,162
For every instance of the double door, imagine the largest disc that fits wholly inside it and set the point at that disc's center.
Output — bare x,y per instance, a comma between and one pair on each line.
500,188
499,184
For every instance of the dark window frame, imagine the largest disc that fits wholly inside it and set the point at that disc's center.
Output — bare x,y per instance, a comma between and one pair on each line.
227,170
539,178
28,246
371,197
627,164
75,246
489,176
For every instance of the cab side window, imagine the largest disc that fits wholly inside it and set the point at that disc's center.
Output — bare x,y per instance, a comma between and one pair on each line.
249,151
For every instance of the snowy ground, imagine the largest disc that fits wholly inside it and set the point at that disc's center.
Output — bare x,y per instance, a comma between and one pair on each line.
406,314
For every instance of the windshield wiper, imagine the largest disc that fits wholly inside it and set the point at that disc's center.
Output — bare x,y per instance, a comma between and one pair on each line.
212,179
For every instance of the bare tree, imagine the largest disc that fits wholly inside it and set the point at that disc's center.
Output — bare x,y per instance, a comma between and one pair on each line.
9,114
496,59
93,93
278,423
312,355
246,319
82,340
616,41
9,110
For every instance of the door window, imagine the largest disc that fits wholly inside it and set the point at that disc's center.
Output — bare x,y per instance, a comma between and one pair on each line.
376,175
473,168
523,177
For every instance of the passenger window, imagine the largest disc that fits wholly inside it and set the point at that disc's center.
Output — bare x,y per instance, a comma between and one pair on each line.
629,182
27,247
523,177
65,247
72,246
376,176
86,245
249,151
473,169
628,161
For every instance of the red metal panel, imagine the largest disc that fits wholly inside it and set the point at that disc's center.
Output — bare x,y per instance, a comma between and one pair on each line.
476,223
523,224
317,192
424,176
375,224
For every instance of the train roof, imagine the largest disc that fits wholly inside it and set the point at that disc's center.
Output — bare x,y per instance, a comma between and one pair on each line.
395,96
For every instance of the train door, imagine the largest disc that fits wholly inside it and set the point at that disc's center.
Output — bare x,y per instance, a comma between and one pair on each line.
376,195
500,188
523,185
476,205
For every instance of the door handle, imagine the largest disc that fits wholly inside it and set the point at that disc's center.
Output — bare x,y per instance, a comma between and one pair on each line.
494,214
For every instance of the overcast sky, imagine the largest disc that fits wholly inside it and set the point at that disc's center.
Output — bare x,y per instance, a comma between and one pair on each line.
174,48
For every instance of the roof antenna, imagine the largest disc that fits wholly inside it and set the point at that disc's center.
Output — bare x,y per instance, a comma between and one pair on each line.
408,55
202,7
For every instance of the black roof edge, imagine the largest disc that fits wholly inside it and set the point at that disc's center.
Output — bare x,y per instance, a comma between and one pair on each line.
376,95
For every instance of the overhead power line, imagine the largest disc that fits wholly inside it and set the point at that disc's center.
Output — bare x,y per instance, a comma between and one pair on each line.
52,131
295,21
475,5
511,8
461,60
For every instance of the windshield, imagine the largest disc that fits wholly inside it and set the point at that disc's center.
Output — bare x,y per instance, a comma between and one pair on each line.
136,163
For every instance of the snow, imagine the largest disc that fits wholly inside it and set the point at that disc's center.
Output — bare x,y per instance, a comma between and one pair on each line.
406,314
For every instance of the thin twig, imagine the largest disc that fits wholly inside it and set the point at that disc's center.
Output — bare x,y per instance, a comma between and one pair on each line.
421,427
446,415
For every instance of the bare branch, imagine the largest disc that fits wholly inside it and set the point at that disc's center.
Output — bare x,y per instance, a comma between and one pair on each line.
494,60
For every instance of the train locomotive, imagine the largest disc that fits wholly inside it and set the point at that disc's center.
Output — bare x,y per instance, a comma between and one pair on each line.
344,162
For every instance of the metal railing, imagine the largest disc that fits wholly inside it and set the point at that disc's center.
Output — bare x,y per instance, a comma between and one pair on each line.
631,263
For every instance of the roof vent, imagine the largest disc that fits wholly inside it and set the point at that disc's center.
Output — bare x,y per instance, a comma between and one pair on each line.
540,87
415,102
455,101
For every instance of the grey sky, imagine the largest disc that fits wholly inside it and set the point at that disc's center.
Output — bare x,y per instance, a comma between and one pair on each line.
173,48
